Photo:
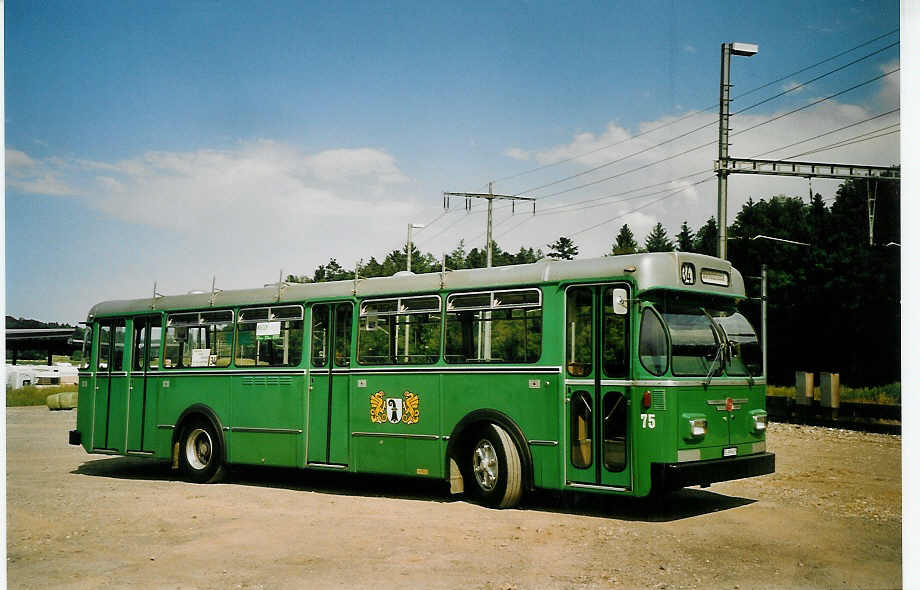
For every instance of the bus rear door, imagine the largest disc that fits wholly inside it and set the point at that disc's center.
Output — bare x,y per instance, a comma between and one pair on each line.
111,388
330,359
145,359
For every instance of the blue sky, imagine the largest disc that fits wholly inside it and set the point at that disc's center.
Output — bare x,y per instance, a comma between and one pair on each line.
173,142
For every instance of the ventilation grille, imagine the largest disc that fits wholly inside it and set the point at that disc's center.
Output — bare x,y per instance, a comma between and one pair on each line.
658,400
267,380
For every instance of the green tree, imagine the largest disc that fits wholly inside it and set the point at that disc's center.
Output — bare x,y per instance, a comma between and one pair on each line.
657,240
331,271
527,256
625,242
706,240
562,249
685,238
456,259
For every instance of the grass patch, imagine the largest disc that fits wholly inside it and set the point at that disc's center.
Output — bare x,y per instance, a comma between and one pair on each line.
31,395
882,394
55,358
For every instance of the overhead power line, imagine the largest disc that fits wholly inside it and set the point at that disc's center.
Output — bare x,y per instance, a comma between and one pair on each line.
667,196
850,141
701,127
696,111
885,114
815,79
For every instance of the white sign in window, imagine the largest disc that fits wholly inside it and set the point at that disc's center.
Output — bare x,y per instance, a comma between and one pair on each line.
268,329
201,357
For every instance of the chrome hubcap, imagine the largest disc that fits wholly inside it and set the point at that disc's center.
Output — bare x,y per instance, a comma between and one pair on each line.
198,449
485,465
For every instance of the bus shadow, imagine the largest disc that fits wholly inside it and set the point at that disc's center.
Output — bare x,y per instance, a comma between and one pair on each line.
128,468
678,505
685,503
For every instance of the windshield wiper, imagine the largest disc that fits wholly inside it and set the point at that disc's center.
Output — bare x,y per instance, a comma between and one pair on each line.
721,344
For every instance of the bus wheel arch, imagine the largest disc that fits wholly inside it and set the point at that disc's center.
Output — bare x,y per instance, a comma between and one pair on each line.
497,431
199,445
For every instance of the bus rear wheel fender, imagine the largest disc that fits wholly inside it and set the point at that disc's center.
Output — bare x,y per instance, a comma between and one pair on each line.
470,426
492,467
200,450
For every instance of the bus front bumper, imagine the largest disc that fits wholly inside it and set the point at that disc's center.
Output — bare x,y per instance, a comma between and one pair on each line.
678,475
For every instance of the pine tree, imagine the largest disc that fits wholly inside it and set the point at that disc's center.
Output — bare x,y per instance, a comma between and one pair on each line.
456,259
625,242
707,239
562,249
657,240
685,238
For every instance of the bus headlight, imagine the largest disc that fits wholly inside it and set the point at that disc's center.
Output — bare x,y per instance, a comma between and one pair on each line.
698,427
760,422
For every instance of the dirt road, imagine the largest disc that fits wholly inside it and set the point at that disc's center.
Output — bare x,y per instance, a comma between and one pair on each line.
830,517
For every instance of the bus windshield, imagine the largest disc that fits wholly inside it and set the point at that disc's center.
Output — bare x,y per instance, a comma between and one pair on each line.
707,340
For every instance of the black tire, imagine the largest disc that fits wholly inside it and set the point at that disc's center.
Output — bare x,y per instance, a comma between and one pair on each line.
492,470
200,452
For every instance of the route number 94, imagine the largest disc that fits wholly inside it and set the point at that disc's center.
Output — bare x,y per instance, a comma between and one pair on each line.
648,420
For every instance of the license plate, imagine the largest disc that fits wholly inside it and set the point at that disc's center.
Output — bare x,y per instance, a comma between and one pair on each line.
730,452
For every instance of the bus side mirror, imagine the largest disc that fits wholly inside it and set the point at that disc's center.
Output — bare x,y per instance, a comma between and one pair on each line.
620,302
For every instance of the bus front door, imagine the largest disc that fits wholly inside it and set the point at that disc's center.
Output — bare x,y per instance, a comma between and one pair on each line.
145,359
597,389
110,389
330,359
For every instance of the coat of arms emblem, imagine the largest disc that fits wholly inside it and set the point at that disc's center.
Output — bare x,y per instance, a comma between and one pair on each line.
394,409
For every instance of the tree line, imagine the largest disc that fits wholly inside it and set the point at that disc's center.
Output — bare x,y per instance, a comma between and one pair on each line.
833,304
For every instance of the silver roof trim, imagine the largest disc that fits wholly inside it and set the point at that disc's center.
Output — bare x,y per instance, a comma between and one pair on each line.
659,270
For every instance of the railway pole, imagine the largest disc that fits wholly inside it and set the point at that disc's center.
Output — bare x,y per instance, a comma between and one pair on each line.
728,49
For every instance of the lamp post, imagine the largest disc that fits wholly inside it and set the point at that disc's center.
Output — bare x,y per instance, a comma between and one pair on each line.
409,244
728,49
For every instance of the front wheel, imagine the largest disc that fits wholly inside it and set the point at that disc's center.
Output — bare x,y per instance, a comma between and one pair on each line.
200,453
494,468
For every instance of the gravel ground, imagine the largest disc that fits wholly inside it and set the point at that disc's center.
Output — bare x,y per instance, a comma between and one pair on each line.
830,517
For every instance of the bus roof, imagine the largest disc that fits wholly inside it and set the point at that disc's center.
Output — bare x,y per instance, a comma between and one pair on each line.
659,270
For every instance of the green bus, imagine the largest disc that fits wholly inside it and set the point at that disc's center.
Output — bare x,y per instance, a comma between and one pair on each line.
621,375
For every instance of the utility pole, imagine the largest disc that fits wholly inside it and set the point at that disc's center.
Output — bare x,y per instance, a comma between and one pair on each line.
490,196
728,49
726,165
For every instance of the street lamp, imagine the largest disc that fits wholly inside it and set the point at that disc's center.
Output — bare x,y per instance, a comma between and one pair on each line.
409,244
728,49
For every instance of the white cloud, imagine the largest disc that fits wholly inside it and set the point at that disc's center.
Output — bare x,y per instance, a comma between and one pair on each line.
349,164
689,48
16,160
890,94
517,153
637,168
792,87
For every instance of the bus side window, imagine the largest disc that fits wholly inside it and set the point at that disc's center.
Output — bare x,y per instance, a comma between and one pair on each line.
403,331
579,348
105,346
319,332
653,343
615,339
86,350
344,316
494,327
199,339
269,336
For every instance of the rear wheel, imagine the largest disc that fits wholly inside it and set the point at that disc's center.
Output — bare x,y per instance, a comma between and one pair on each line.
493,469
200,452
